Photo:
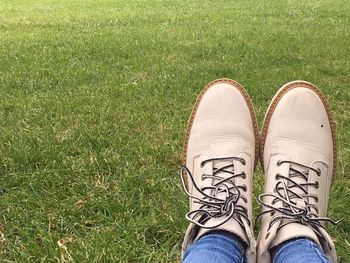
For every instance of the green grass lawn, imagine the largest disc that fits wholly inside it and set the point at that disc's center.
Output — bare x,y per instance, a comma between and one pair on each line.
94,99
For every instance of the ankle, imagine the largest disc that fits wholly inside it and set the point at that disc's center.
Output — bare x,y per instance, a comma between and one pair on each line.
227,234
290,242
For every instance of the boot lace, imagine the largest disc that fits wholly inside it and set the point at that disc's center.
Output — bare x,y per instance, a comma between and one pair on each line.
294,197
222,202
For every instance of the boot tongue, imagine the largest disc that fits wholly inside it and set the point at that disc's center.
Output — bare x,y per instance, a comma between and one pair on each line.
299,175
218,164
295,230
231,225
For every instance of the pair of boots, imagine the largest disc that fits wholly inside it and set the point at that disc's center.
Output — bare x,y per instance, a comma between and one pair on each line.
297,150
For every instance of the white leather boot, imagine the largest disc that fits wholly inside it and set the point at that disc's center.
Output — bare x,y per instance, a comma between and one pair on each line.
298,152
220,155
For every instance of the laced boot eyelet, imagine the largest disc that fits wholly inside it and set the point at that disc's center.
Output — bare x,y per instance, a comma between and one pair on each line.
317,185
245,188
279,163
244,176
318,171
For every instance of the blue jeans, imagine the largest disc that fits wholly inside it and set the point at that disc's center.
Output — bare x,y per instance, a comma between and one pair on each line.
217,248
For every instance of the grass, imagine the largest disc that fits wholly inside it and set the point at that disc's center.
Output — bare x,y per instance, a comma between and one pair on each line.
94,99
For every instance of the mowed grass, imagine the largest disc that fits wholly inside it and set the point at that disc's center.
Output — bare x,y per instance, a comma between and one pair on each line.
94,100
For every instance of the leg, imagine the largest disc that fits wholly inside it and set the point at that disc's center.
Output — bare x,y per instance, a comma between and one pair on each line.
215,248
301,250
